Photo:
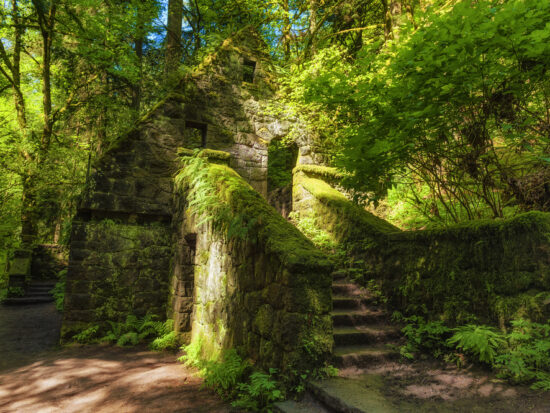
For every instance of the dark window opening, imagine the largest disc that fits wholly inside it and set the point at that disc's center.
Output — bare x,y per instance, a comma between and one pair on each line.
194,135
281,160
191,240
249,67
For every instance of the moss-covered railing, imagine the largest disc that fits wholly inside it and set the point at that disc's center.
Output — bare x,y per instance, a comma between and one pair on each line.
259,284
490,270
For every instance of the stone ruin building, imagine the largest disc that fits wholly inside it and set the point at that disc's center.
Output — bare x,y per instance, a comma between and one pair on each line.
128,251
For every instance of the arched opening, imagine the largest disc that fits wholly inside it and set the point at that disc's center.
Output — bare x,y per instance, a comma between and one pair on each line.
281,160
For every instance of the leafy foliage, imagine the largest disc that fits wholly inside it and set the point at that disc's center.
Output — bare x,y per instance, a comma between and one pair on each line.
87,335
225,376
422,335
482,341
528,354
457,105
234,378
135,330
132,331
258,395
520,355
58,291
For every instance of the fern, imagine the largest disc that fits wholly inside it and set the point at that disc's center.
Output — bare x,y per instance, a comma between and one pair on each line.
482,341
259,395
192,353
422,335
88,335
131,338
224,376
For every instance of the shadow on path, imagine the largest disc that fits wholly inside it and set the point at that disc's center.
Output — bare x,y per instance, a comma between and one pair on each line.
36,375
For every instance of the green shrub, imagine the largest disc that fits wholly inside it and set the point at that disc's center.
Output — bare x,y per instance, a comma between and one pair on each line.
423,336
234,378
87,335
260,393
135,330
225,376
521,356
527,358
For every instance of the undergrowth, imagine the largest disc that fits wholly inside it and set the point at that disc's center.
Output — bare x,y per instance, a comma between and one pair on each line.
133,331
58,290
520,355
235,379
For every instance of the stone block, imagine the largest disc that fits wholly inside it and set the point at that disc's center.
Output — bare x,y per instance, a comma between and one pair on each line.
78,302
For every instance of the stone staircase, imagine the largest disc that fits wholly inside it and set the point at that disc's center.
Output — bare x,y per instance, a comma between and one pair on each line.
363,335
37,292
363,339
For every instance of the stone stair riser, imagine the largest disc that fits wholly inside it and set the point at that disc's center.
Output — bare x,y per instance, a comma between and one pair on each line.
347,320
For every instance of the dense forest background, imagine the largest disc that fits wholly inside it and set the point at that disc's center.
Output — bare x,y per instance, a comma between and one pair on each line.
438,111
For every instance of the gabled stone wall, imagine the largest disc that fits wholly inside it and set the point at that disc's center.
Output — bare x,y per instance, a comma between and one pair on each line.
134,248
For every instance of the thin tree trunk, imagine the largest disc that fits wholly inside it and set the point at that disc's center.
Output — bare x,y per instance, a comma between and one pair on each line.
19,100
173,36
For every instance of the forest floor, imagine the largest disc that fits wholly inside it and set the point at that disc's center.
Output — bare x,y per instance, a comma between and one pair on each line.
38,376
432,386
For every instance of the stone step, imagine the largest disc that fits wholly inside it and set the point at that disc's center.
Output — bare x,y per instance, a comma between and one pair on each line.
359,356
37,294
358,317
350,303
364,334
348,289
33,289
353,396
339,274
27,300
38,283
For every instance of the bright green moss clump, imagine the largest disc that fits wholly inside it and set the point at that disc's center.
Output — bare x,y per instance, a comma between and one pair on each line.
350,225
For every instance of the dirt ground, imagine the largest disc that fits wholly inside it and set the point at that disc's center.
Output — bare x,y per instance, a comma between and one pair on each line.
36,376
431,386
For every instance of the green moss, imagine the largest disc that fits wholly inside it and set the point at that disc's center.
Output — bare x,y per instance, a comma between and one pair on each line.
325,172
249,209
210,154
348,224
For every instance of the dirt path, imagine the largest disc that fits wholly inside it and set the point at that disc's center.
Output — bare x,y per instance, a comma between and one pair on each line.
36,376
27,331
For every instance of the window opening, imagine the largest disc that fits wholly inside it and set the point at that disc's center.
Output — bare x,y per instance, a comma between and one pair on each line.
249,68
195,135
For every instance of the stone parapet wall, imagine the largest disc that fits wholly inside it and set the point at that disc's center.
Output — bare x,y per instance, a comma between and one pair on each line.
491,271
258,284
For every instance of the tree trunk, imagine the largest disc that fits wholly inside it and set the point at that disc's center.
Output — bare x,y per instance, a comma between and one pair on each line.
173,36
16,72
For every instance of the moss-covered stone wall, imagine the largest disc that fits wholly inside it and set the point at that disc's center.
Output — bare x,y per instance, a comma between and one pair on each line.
490,270
116,269
259,284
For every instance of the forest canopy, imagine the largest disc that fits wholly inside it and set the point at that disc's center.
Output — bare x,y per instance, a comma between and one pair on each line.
438,111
